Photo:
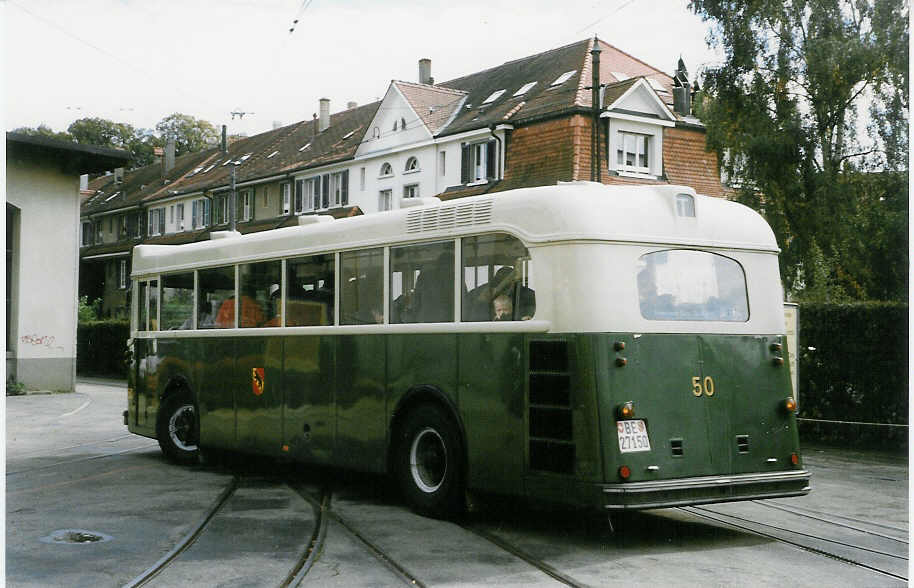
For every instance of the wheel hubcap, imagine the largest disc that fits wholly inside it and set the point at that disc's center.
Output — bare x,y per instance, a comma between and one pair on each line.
428,460
181,428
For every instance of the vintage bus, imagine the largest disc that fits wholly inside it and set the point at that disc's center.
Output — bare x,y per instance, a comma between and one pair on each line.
595,346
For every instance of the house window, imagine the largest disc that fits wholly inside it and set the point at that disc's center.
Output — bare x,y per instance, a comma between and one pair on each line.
443,157
411,191
156,221
386,170
412,165
286,190
402,124
87,233
339,188
362,179
200,212
307,194
479,162
384,198
246,205
266,196
633,152
180,213
171,214
122,275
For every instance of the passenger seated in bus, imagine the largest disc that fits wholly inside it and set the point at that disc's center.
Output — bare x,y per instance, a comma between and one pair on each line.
502,308
506,282
276,304
434,294
251,314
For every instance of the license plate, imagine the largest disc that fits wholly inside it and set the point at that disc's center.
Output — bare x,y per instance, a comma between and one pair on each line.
633,436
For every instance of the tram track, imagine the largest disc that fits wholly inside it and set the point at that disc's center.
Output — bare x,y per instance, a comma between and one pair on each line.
66,462
809,511
188,539
521,554
389,562
805,541
828,520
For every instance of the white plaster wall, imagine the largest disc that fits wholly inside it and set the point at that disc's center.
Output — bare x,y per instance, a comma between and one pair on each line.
367,199
48,201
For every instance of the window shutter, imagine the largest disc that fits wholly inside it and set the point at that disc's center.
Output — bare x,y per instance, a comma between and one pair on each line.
325,190
194,215
345,187
161,221
465,163
491,168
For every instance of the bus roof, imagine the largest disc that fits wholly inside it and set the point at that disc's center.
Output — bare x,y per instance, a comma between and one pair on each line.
572,211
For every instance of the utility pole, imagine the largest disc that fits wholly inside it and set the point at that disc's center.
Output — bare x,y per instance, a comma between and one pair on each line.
595,172
232,173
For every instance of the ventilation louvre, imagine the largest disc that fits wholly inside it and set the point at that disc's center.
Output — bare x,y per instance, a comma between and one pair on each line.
742,443
449,216
676,447
551,431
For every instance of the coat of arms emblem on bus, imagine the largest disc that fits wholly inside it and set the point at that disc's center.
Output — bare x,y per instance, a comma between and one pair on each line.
257,381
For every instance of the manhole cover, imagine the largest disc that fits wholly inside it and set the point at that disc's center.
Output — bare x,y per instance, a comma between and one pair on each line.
76,536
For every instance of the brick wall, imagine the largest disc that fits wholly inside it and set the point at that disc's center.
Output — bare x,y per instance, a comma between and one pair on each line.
541,154
685,161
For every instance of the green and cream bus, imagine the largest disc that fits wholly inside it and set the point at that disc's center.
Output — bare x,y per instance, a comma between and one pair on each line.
596,346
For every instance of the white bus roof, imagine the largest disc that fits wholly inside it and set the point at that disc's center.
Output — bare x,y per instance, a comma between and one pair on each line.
573,211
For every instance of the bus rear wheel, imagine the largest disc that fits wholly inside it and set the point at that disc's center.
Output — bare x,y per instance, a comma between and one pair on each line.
177,430
429,464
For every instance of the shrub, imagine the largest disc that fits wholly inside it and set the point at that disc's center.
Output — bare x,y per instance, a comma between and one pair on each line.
854,367
100,347
14,387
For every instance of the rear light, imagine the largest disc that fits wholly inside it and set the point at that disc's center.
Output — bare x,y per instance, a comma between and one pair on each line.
625,472
621,361
790,405
794,459
777,361
775,347
626,410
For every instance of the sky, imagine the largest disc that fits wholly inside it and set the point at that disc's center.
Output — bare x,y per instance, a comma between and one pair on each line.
139,61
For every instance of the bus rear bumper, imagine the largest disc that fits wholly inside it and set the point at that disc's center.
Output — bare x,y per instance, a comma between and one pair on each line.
705,489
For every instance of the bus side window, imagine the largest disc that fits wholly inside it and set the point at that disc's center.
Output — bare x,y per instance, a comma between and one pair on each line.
217,287
422,283
143,314
309,294
178,301
257,283
497,279
361,288
153,305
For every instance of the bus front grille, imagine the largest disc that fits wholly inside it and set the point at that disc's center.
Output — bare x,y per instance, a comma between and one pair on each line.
550,427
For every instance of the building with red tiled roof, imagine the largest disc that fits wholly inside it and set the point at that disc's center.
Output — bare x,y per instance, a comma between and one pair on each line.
523,123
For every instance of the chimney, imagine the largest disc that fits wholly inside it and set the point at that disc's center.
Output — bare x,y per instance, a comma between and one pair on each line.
224,140
277,124
682,103
325,114
169,162
118,175
425,71
350,105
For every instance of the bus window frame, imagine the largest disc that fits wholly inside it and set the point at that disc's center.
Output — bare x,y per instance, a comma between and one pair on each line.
455,319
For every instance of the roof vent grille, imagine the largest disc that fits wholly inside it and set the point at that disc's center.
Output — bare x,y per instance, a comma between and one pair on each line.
449,216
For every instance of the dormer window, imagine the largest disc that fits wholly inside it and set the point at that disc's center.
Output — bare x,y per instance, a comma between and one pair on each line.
376,133
412,165
563,78
493,96
633,152
386,170
524,89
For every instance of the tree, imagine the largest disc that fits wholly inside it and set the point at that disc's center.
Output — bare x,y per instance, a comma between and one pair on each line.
784,110
190,134
43,130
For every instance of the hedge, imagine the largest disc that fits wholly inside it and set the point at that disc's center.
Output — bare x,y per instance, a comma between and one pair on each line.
854,367
100,347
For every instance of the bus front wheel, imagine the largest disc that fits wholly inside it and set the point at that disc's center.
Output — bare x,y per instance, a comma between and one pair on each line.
177,430
429,465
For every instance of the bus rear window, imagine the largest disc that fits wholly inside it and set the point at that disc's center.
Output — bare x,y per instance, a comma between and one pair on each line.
689,285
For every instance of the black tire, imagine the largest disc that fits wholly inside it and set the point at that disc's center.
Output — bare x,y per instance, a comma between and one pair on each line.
429,462
177,430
